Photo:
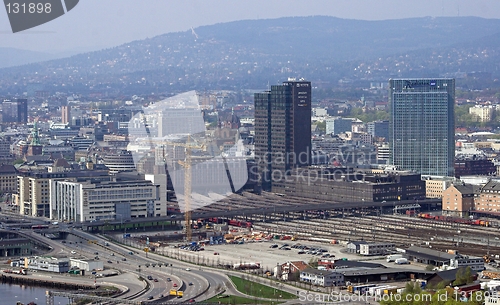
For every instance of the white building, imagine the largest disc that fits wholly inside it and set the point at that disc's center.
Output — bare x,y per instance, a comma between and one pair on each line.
87,265
484,113
322,278
475,263
49,264
100,200
376,248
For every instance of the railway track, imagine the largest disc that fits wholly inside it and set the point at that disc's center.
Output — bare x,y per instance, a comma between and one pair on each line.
403,231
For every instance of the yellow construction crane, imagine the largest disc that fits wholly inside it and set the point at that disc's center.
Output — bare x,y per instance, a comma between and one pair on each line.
187,170
187,164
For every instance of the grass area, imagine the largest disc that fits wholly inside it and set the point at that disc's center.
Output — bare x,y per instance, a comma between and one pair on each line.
258,290
232,299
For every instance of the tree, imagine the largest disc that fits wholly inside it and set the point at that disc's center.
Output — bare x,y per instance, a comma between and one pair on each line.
459,277
409,287
321,126
429,267
442,285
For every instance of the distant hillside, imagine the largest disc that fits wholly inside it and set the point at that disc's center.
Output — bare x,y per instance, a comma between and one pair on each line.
251,53
10,57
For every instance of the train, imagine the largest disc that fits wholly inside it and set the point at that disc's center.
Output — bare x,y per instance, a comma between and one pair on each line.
238,223
443,218
232,222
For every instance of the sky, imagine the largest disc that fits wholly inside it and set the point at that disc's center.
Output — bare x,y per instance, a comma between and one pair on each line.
97,24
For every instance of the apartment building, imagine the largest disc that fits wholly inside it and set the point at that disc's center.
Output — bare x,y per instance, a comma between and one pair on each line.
458,200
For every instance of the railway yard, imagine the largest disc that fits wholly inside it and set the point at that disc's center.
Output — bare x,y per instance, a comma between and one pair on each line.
328,228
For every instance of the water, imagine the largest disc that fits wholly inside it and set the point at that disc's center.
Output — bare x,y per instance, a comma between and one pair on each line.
10,294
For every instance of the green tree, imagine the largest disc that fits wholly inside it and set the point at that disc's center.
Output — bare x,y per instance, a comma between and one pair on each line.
409,287
441,285
321,126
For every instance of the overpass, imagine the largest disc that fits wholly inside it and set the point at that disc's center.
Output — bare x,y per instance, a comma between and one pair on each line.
268,210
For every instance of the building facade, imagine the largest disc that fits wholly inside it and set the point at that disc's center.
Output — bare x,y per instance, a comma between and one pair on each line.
484,113
435,186
282,131
376,248
474,165
8,179
458,200
94,200
66,114
489,198
323,278
421,133
337,126
343,184
378,129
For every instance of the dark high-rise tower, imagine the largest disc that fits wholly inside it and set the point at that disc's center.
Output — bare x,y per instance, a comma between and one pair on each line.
282,132
22,110
422,127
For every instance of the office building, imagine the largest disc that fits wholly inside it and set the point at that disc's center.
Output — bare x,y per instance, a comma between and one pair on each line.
335,126
379,129
94,200
8,179
22,110
65,114
421,132
282,131
15,111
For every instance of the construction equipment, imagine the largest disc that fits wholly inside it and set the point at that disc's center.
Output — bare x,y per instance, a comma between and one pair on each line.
187,164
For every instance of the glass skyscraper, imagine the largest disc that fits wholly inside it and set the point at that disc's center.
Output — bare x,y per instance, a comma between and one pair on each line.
282,132
422,126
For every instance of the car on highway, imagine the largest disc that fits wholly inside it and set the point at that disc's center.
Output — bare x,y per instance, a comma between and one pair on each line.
174,285
150,277
191,301
73,252
216,253
188,269
124,259
273,246
168,279
96,253
150,297
155,280
110,262
190,284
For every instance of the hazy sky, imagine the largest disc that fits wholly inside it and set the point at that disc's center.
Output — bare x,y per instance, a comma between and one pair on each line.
95,24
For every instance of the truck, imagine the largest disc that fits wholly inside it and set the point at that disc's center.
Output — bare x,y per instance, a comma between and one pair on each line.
401,261
393,257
